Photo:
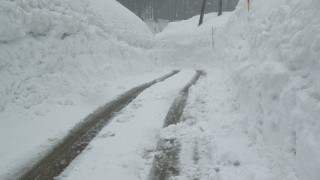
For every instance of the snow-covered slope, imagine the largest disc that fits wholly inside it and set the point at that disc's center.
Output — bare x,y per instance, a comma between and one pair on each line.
273,55
42,42
183,43
275,52
52,54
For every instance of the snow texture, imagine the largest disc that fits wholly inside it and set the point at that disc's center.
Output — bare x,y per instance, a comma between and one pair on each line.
274,52
254,117
273,56
125,148
59,60
42,42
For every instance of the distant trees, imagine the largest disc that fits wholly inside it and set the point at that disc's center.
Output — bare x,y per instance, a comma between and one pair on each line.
174,9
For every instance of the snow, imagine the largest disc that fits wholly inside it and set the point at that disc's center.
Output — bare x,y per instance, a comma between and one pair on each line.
156,26
254,116
275,58
126,146
28,135
272,55
59,61
214,141
184,44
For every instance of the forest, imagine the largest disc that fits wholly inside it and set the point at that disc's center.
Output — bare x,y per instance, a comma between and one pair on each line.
174,10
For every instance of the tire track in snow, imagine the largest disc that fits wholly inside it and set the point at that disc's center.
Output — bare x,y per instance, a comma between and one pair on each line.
72,145
197,146
166,160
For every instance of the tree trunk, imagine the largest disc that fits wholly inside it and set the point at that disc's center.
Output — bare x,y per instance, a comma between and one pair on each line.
202,12
155,11
185,9
220,8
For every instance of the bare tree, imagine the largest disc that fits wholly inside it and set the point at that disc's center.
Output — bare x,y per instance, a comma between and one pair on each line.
202,11
177,9
220,8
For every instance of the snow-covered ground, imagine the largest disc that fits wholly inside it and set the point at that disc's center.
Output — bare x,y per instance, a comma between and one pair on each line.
217,142
127,145
255,116
214,140
272,56
184,44
59,61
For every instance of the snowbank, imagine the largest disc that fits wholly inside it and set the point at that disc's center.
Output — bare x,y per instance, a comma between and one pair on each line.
183,43
54,52
275,53
61,19
51,48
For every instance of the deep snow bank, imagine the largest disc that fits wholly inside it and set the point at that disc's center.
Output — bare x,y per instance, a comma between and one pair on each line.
183,43
59,60
52,48
275,51
273,54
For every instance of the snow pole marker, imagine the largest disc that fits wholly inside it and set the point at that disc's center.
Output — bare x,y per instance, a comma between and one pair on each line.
212,33
249,6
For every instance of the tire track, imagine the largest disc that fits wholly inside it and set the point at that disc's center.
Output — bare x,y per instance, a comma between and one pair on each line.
166,160
52,164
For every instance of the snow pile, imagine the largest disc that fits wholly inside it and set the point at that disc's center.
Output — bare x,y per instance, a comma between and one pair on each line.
59,60
52,48
183,43
273,54
60,19
275,51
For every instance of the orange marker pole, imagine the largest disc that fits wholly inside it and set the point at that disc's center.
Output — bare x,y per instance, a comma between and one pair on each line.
248,5
212,33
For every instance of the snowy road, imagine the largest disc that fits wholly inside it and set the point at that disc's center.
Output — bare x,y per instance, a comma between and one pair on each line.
253,116
125,148
131,124
174,129
167,154
73,144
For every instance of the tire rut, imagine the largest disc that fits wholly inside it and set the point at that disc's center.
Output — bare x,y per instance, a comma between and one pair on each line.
52,164
166,160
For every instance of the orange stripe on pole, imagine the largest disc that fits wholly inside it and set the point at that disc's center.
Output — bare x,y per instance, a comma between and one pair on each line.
248,5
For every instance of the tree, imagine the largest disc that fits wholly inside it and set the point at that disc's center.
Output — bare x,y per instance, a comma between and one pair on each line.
202,12
220,8
176,9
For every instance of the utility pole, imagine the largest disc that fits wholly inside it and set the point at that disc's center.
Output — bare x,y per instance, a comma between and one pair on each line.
220,8
202,11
